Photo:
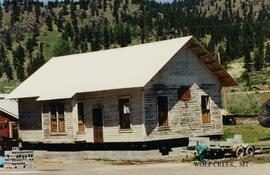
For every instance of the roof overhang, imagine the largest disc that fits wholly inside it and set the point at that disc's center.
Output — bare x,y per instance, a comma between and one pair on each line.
212,63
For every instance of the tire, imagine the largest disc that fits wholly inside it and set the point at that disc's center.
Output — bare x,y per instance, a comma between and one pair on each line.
240,151
250,150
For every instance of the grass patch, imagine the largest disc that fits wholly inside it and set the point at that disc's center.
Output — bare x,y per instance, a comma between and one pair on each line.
250,132
50,39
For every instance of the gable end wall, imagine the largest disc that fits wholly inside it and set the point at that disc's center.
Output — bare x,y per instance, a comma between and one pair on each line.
185,120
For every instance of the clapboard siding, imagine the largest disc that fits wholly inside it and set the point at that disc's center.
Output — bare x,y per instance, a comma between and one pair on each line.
30,114
109,102
30,120
185,119
67,136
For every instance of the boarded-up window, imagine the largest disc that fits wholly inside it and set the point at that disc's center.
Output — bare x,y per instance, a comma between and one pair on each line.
124,113
162,110
80,117
57,117
184,93
205,105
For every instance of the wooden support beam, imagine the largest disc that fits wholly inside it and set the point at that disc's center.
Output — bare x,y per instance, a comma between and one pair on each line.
194,46
217,71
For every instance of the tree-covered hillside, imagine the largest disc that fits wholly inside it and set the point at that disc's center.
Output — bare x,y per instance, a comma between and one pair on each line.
31,32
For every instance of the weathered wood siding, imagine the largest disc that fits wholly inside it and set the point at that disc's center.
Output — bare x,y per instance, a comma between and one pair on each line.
30,120
109,102
38,117
65,137
185,119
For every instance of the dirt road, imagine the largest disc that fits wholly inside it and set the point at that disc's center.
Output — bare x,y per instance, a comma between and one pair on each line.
171,168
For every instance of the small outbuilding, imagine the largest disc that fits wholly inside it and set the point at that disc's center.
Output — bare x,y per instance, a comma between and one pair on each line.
150,92
8,117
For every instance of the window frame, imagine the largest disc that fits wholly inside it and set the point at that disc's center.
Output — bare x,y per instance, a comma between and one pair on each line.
83,117
167,116
59,117
130,112
207,111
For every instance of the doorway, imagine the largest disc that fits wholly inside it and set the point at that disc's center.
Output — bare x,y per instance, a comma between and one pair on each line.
98,125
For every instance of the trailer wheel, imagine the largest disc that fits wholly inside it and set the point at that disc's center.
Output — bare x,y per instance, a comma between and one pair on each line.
250,150
240,152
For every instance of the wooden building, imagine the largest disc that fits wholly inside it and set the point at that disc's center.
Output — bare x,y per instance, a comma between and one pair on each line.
8,118
149,92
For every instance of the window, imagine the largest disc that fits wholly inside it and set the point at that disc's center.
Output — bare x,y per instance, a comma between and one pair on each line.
57,117
163,111
124,113
205,104
80,117
184,93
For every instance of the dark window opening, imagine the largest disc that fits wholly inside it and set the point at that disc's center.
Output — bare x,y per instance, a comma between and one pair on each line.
57,117
205,105
80,117
124,113
163,111
184,93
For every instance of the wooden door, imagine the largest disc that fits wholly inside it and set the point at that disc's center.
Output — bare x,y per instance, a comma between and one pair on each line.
98,125
206,117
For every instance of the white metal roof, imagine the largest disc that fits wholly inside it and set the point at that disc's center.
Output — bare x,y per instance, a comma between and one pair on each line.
8,106
128,67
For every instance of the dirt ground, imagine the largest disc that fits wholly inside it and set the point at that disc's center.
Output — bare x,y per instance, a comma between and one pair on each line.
101,167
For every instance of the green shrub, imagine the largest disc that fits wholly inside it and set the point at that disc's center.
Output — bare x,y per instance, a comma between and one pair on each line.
244,104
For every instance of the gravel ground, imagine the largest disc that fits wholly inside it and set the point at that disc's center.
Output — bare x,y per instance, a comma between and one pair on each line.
92,167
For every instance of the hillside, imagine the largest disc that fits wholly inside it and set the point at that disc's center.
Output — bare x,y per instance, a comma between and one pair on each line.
31,33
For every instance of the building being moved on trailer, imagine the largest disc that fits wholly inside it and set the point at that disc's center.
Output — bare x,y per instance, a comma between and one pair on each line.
150,92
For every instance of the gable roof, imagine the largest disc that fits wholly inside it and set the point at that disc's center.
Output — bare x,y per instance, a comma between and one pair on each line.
9,107
128,67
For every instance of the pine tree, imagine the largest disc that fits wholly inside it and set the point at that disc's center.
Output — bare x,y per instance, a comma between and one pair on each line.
60,21
49,22
267,53
8,40
30,46
116,6
37,12
63,48
97,33
107,36
36,30
18,61
8,70
64,9
38,61
104,5
5,66
15,14
127,35
258,55
2,59
142,24
29,6
1,16
247,61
